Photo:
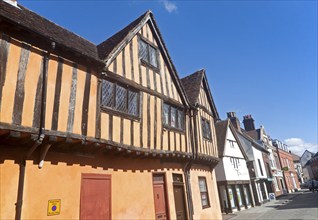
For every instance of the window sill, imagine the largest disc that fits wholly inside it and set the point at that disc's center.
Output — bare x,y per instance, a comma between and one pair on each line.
206,206
207,139
169,128
121,114
155,69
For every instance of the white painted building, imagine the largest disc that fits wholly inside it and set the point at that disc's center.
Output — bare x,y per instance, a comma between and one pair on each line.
231,172
256,166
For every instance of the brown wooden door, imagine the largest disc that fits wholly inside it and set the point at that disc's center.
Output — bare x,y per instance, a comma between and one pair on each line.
179,202
159,197
95,196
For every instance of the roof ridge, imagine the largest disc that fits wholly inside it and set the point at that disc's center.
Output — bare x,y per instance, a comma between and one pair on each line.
24,8
106,47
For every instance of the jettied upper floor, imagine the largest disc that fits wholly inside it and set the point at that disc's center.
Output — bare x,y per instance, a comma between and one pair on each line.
123,95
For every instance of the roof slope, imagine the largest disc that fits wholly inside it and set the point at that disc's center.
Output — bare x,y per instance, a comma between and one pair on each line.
255,134
106,47
295,157
221,129
109,49
192,85
35,23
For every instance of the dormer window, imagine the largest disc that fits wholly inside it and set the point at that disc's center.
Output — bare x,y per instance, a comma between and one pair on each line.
148,54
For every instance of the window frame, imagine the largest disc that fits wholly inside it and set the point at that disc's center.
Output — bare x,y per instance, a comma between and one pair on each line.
147,62
204,192
169,126
205,121
112,109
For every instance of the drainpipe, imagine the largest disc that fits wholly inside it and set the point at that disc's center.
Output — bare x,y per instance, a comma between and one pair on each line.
37,142
195,114
186,169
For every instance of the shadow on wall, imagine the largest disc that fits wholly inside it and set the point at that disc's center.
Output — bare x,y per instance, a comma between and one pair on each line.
105,160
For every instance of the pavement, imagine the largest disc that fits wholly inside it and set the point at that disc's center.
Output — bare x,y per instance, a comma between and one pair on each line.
298,205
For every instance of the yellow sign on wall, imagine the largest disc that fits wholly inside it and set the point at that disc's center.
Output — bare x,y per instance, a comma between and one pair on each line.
54,207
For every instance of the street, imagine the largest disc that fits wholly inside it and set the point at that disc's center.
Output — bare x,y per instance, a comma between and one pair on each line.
294,206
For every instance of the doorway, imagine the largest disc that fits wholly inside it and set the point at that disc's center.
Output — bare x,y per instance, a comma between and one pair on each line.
95,196
160,198
179,197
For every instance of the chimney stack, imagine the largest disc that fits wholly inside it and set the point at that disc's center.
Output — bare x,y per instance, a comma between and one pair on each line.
234,120
248,122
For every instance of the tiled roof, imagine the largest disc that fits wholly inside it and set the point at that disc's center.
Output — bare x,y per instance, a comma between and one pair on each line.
255,134
106,47
253,141
192,85
220,129
31,21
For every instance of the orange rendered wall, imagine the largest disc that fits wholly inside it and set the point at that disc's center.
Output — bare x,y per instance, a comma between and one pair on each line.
60,178
213,212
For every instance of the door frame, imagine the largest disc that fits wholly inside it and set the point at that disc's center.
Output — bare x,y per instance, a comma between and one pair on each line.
175,183
97,176
164,174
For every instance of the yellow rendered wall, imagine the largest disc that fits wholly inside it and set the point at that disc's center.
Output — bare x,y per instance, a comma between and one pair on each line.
213,212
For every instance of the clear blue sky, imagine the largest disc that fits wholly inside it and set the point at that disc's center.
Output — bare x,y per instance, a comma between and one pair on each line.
260,56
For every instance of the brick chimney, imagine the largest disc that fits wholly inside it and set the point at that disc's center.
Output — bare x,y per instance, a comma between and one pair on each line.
234,120
11,2
248,122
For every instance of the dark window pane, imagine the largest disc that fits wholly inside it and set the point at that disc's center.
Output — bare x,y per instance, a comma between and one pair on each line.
173,116
107,93
153,56
143,51
133,103
165,114
204,199
180,119
121,99
202,185
208,130
203,127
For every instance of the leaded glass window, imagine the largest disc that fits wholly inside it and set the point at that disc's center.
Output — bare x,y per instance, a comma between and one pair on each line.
107,93
173,117
133,103
166,108
180,119
143,50
153,56
206,128
148,53
119,98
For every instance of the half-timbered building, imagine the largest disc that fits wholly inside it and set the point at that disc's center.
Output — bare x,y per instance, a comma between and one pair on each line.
203,114
100,131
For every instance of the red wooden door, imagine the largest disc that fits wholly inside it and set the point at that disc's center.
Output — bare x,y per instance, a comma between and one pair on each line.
95,196
159,197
